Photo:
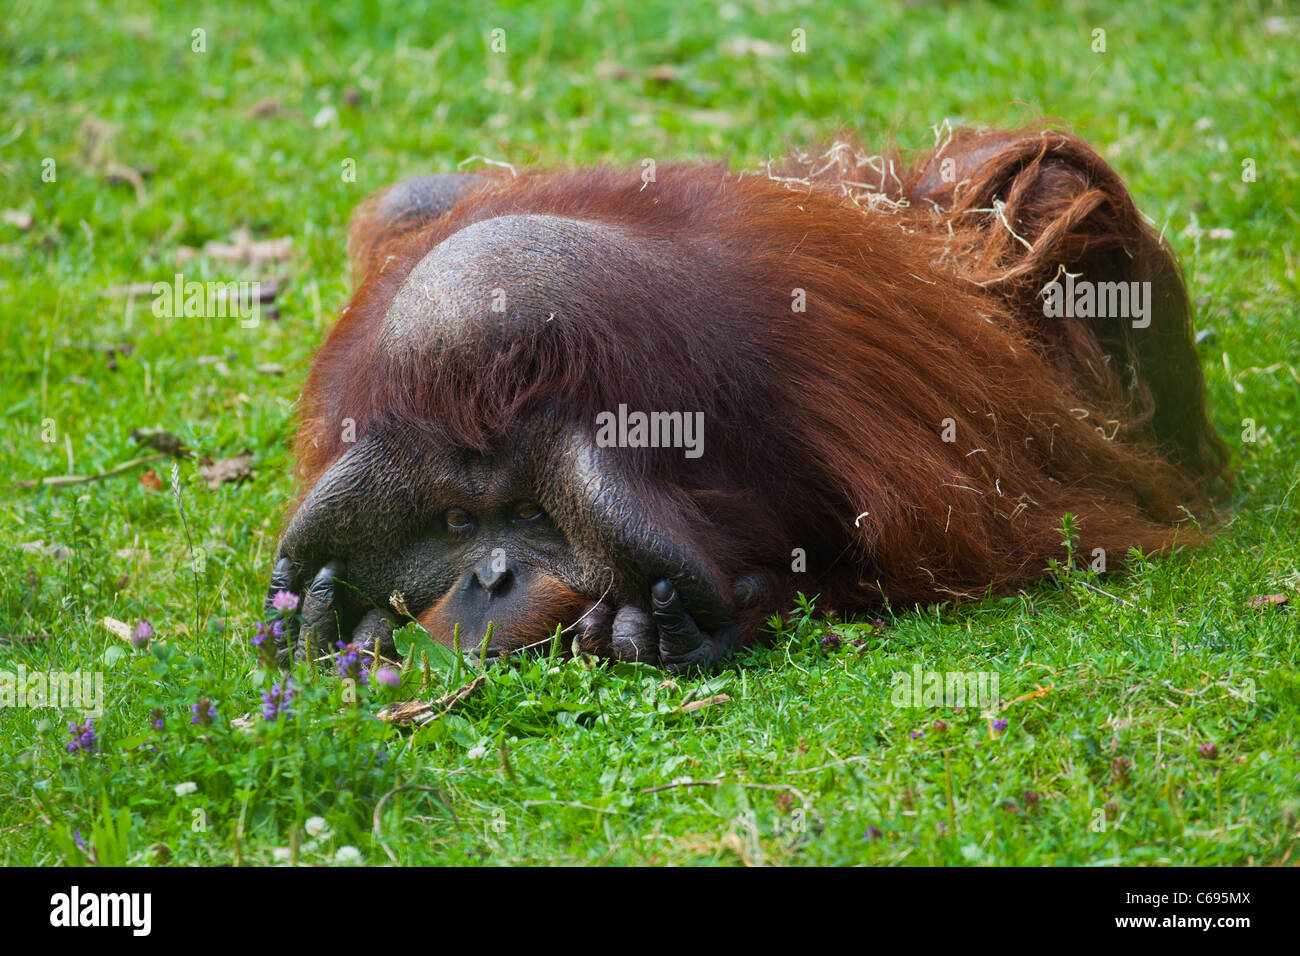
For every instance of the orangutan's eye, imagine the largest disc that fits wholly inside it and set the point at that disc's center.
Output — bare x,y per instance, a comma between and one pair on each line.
458,519
526,511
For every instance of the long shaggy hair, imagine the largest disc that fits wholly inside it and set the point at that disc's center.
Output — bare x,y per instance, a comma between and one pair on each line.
923,321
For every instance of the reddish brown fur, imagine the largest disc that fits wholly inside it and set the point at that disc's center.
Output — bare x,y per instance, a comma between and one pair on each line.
922,305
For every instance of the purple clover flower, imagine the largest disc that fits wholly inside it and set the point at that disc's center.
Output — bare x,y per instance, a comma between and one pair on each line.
143,632
1000,724
277,700
388,677
831,641
286,602
157,719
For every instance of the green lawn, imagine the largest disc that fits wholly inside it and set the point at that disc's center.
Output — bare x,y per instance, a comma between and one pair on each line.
1158,726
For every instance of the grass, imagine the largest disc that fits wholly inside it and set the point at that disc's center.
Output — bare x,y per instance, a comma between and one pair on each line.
1155,717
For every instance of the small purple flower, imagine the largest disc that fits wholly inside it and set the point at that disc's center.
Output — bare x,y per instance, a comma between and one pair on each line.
916,733
79,839
286,602
831,641
143,632
351,664
157,719
873,833
83,737
1209,751
277,700
388,677
204,712
1000,724
262,639
940,726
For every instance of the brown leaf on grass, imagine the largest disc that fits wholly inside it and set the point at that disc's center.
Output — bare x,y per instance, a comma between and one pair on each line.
705,702
120,628
118,174
420,712
228,469
151,480
1260,601
268,289
244,723
160,440
243,249
99,153
61,481
264,108
1032,695
610,70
